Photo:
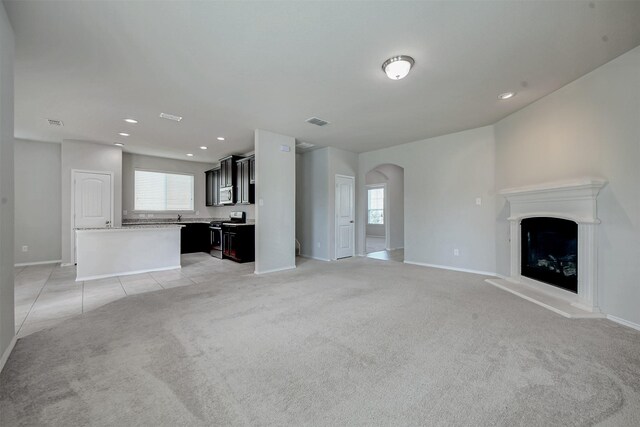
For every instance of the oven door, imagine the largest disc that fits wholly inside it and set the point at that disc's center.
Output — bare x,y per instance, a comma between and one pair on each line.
216,242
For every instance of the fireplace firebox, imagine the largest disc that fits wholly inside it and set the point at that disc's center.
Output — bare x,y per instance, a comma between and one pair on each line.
549,251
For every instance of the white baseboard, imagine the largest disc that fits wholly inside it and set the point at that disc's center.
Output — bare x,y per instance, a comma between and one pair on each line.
314,257
446,267
67,264
128,273
395,249
7,352
275,270
624,322
26,264
373,235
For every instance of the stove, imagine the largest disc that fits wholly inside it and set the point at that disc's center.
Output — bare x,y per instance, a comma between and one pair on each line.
215,228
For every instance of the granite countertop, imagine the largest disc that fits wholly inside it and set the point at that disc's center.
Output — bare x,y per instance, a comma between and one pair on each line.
238,224
152,221
132,227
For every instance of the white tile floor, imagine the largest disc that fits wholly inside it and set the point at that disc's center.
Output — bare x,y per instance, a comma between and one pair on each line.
46,295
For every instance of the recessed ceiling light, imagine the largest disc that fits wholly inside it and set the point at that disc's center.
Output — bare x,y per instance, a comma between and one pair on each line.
134,121
203,148
123,134
220,138
189,155
398,67
119,144
506,95
170,117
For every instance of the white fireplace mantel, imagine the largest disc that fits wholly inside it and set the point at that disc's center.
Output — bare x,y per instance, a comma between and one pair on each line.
574,200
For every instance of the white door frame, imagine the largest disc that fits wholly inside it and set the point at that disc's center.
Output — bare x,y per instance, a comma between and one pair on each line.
335,216
73,203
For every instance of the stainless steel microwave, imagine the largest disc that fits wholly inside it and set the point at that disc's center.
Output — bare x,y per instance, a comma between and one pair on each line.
226,196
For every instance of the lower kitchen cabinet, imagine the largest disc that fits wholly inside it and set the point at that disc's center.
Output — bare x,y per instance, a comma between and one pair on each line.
238,242
195,238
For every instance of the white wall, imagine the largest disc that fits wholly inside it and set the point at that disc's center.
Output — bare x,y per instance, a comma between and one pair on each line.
131,162
7,327
38,192
312,205
92,157
589,127
276,202
443,176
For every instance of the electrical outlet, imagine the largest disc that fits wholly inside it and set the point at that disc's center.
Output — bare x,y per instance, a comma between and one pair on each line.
318,244
478,201
149,215
197,213
142,215
25,248
124,212
456,252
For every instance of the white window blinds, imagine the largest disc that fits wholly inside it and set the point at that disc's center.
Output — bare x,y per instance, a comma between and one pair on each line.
159,191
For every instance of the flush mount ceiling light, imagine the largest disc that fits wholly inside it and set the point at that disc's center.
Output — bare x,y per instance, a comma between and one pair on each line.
132,121
203,148
189,155
123,134
506,95
398,67
119,144
220,138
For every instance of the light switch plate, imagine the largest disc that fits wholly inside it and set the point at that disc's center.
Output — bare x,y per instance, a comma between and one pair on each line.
285,148
478,201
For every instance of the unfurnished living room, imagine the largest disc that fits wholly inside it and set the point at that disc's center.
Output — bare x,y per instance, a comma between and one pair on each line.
330,213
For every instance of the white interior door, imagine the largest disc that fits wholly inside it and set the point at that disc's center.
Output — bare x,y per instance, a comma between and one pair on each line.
92,200
345,216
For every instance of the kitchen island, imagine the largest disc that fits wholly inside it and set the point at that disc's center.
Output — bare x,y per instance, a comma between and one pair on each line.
119,251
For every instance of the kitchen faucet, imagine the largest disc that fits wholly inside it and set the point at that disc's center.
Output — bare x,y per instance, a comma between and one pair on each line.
179,217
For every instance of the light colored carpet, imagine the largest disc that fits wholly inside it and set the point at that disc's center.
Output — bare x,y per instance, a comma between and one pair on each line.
353,342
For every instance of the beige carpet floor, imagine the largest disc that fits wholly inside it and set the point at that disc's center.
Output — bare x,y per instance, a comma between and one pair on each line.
353,342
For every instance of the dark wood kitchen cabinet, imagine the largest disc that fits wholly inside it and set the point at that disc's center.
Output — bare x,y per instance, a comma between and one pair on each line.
245,190
238,242
195,237
228,171
212,187
252,170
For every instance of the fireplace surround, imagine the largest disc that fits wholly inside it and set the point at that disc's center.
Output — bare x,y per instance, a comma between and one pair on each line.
575,201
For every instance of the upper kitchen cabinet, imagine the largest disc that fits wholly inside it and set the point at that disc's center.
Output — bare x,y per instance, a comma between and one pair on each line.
228,171
252,169
212,187
245,189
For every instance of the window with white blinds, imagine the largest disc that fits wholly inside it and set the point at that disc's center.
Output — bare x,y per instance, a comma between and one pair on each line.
160,191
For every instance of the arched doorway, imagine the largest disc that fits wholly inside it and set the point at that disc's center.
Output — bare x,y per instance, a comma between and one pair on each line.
384,212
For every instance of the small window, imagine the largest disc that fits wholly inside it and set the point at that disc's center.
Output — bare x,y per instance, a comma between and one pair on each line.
375,206
160,191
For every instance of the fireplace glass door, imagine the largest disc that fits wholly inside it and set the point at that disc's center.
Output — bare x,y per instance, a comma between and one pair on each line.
549,251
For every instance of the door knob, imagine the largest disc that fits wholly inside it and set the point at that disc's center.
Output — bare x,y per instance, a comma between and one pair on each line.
351,221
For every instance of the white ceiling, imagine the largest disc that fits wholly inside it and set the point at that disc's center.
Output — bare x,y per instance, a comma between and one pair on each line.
231,67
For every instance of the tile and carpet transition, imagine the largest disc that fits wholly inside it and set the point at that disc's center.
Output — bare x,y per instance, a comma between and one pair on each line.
353,342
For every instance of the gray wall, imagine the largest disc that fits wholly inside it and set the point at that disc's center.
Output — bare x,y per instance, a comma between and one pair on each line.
442,178
589,127
37,201
7,327
91,157
312,213
276,202
132,161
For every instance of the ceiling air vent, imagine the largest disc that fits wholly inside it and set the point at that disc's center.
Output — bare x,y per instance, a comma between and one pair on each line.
170,117
53,122
303,145
316,121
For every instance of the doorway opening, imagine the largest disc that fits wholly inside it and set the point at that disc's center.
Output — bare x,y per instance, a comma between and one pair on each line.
384,225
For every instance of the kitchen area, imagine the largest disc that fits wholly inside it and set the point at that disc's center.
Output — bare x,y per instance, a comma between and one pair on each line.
229,190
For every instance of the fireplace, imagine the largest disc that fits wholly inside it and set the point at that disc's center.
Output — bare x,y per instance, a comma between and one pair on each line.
554,243
549,251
